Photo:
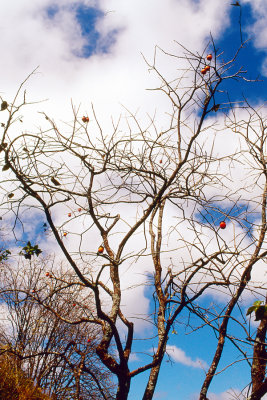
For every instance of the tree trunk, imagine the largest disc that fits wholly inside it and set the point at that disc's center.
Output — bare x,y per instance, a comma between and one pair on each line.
151,385
123,388
259,383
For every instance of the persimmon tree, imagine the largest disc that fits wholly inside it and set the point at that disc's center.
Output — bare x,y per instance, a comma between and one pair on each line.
147,197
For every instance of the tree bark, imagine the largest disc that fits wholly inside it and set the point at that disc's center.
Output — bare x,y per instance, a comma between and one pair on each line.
123,388
152,382
259,383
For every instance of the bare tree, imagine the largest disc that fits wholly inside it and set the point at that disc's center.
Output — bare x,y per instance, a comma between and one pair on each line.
56,355
157,201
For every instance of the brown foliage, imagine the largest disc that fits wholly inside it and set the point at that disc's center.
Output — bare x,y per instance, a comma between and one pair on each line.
14,385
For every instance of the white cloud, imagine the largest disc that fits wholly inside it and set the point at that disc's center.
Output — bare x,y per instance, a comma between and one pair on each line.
180,356
134,357
258,30
29,38
231,394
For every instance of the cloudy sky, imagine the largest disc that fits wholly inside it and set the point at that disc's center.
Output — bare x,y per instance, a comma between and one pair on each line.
90,51
93,52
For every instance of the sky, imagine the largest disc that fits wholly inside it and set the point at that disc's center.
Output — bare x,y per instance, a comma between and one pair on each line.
93,52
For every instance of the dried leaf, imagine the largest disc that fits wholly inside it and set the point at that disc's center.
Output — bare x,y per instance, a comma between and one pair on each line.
215,107
4,105
6,167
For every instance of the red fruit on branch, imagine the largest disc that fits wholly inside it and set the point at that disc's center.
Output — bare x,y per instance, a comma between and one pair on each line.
47,274
209,57
79,209
222,225
203,71
207,68
85,119
69,214
100,249
65,234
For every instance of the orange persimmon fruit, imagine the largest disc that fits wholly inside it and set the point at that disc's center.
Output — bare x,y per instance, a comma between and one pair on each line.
100,249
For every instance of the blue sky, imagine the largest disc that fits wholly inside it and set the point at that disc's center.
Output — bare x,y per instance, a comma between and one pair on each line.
251,57
90,51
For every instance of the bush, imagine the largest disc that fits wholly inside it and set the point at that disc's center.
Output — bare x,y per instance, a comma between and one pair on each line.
14,385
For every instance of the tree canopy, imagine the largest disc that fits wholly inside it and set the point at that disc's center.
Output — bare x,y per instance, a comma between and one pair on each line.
172,211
